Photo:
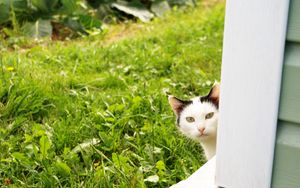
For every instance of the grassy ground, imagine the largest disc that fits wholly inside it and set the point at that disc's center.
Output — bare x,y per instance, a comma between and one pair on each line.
93,112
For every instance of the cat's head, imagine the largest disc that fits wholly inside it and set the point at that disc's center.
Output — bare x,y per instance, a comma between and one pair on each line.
198,118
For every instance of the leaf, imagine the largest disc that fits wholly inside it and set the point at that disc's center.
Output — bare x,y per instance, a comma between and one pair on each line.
119,160
69,6
40,5
157,150
62,168
6,8
88,22
134,8
37,130
19,5
31,149
122,162
39,29
160,165
75,25
107,140
44,5
20,157
153,179
160,7
86,145
136,102
4,11
44,146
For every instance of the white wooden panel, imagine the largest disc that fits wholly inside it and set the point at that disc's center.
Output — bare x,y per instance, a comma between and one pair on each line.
202,178
253,51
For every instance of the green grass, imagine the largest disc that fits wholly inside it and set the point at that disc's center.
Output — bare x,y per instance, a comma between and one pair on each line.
62,95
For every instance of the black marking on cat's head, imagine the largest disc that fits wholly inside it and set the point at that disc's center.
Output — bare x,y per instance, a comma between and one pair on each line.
213,96
178,105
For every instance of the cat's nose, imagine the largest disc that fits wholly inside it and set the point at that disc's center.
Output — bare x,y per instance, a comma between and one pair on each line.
201,129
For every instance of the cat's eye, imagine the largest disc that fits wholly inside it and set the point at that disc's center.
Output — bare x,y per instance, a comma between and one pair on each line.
209,115
190,119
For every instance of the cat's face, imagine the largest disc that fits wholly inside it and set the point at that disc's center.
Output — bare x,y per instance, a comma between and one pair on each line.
198,118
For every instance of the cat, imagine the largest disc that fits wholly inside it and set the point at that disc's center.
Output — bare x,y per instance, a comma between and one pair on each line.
198,118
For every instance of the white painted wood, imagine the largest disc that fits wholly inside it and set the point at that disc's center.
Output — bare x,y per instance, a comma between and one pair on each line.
202,178
253,51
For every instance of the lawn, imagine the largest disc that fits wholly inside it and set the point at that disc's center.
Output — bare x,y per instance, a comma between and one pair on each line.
93,112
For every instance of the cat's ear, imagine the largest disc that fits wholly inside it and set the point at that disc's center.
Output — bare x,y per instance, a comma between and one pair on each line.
177,104
214,94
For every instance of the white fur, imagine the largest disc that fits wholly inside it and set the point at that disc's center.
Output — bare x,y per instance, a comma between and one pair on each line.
198,110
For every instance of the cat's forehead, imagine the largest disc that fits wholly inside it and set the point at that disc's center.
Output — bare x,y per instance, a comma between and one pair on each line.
196,100
199,107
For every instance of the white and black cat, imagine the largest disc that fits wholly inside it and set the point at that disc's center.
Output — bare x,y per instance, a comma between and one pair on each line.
198,118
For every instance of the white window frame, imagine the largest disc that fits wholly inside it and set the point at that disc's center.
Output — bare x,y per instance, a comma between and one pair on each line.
253,51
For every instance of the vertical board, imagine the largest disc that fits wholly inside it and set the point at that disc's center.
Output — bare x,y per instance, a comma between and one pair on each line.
290,91
253,51
287,154
293,30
